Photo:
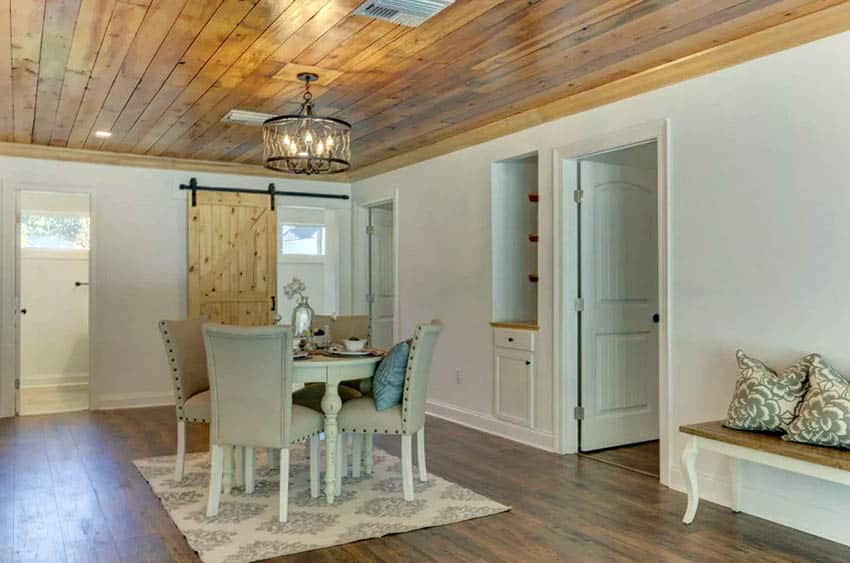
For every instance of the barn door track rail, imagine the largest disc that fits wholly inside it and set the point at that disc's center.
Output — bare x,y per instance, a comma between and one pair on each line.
271,191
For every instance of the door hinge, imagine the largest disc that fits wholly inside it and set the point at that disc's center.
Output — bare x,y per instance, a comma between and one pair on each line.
578,196
370,229
17,384
579,304
370,298
578,413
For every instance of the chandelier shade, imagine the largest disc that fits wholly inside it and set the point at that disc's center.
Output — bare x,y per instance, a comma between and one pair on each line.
304,143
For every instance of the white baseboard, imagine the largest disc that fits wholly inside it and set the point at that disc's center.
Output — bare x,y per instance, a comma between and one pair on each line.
491,425
132,400
54,380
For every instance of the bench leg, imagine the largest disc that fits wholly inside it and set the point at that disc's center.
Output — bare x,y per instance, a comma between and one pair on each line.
689,458
736,486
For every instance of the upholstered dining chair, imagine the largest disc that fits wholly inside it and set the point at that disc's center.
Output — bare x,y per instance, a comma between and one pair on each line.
360,416
187,362
251,396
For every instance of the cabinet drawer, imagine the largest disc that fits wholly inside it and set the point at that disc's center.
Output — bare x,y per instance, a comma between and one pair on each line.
516,339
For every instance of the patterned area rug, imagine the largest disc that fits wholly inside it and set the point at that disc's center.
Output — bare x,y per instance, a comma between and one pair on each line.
246,527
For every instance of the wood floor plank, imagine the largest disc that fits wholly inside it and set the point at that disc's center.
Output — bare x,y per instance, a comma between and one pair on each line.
564,508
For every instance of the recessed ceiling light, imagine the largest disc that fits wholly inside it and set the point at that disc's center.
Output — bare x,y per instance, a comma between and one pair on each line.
103,134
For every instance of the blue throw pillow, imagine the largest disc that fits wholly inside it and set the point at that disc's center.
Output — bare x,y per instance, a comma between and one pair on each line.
388,382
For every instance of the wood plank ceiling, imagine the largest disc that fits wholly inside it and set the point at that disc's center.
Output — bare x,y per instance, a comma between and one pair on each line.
160,74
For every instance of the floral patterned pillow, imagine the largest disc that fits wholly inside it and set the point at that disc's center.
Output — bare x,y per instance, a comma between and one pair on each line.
764,400
824,417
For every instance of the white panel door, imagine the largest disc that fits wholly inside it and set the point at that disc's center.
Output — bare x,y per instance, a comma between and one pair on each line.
619,285
381,277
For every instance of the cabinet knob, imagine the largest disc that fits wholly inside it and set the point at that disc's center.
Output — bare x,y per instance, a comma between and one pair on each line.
528,362
510,339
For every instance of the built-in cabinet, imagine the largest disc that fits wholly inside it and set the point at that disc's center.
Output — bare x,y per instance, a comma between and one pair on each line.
515,219
514,385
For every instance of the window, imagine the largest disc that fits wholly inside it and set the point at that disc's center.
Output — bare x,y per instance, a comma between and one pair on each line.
302,240
55,231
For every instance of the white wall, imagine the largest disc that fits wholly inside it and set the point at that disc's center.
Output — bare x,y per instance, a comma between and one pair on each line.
139,257
759,238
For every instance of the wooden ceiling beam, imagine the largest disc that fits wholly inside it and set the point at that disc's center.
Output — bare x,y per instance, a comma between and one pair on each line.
86,156
802,30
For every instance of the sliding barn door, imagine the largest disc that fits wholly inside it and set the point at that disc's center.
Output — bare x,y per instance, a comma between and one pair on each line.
233,258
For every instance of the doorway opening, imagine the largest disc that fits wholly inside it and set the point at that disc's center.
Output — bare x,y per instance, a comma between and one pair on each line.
618,316
52,290
612,299
381,275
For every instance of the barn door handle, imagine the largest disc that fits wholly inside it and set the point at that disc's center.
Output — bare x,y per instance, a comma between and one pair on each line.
274,303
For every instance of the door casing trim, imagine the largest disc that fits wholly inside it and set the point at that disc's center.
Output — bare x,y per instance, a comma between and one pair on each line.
565,236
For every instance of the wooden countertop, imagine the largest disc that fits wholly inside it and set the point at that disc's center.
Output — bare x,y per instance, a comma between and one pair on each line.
518,325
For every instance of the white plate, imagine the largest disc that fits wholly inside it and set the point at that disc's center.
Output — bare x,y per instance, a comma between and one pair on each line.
343,352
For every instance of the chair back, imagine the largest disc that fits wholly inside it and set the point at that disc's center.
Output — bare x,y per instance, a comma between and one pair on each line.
352,325
250,383
187,359
417,376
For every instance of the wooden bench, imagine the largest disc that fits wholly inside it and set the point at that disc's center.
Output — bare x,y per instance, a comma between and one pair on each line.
767,449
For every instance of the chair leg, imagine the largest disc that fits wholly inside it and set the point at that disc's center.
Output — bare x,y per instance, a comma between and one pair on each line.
420,454
181,450
216,474
239,470
283,511
368,454
315,479
356,455
407,466
341,460
273,457
250,469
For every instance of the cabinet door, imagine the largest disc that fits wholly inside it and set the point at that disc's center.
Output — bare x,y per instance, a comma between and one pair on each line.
514,394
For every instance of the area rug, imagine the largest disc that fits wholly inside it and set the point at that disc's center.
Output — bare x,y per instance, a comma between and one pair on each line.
246,527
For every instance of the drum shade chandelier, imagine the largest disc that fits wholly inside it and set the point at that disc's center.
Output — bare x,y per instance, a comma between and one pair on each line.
304,143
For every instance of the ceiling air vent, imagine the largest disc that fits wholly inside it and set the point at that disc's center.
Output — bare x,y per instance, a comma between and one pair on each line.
403,12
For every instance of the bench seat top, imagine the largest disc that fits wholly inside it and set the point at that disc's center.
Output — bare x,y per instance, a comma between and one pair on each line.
770,443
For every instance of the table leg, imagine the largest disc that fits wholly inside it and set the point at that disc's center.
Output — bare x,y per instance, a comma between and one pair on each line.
227,474
689,458
331,403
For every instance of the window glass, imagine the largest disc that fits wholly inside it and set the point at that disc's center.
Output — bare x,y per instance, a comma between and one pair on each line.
304,240
55,231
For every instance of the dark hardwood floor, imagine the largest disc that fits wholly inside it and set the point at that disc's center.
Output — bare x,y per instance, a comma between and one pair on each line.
68,492
643,458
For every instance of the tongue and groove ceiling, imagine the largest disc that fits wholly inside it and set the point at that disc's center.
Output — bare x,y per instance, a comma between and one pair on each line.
160,74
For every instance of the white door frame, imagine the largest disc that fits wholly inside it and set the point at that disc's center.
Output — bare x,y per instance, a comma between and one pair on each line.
362,266
10,265
565,236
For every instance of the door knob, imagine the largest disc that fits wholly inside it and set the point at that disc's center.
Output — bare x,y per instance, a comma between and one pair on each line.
656,318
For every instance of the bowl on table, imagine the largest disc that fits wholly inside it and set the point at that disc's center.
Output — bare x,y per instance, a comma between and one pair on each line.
354,344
